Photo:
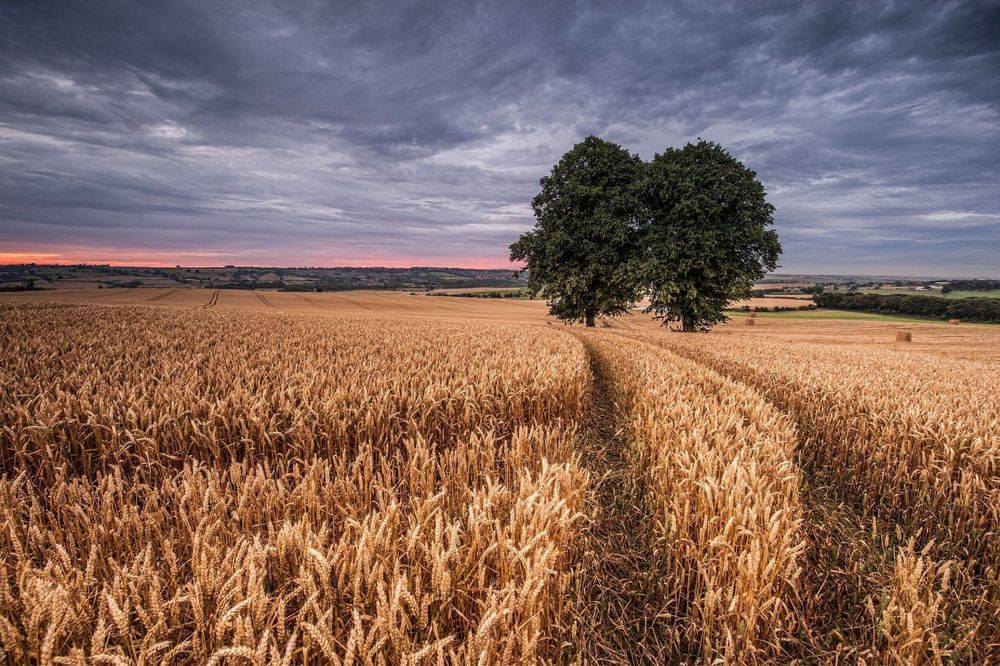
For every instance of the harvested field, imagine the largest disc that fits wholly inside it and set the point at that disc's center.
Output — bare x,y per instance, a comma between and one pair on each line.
774,302
782,285
230,477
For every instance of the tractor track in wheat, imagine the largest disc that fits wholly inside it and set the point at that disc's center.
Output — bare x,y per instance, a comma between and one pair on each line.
311,302
264,300
850,557
212,301
616,602
160,297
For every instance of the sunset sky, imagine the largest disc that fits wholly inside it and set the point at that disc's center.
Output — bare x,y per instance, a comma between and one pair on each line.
366,133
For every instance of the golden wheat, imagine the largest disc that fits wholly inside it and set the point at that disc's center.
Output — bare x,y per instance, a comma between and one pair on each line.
224,486
910,440
202,488
725,492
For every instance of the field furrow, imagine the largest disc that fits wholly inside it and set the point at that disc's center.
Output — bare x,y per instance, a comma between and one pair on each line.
311,302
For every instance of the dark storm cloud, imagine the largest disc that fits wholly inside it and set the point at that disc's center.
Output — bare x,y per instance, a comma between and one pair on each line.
319,133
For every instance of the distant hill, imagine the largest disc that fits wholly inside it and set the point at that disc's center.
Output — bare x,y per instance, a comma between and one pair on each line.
418,278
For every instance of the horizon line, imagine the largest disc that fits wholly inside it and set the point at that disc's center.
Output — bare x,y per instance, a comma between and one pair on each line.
464,268
260,266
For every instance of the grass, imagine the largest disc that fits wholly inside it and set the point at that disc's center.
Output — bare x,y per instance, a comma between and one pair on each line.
513,292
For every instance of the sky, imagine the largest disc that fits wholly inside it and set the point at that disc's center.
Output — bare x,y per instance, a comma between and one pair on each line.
294,133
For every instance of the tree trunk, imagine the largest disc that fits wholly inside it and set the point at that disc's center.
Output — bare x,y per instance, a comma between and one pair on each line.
687,326
590,318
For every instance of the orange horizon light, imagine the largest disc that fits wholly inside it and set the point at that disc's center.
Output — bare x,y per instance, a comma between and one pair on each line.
140,258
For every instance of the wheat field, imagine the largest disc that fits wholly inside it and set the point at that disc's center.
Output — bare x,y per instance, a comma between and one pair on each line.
215,488
908,447
263,478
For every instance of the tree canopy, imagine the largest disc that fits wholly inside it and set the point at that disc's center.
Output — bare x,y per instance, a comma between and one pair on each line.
584,235
704,234
689,230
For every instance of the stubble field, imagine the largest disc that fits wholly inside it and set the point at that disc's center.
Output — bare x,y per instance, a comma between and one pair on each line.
200,476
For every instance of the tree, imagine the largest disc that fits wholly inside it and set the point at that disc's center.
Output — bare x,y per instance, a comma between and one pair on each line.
578,254
704,234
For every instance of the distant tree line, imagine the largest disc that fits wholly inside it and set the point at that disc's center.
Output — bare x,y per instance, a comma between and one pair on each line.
27,284
764,292
971,285
971,309
777,308
492,294
250,286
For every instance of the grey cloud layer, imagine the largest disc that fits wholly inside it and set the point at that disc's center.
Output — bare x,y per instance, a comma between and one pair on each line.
314,132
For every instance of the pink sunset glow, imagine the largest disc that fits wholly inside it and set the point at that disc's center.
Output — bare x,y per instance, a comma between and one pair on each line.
195,259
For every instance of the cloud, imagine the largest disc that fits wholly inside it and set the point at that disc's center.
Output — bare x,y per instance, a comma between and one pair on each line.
304,132
959,215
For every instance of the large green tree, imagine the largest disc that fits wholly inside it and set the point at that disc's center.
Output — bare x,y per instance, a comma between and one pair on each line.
704,234
578,254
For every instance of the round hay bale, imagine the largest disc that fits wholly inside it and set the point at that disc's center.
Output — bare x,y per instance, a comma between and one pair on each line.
750,321
753,315
904,336
953,322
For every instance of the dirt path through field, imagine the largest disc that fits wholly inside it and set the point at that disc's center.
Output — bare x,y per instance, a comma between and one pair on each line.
848,564
616,603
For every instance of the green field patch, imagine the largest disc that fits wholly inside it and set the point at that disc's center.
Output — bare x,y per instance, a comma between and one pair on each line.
836,314
995,293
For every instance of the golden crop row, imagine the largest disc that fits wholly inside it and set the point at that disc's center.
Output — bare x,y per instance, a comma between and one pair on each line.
250,488
905,438
720,480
